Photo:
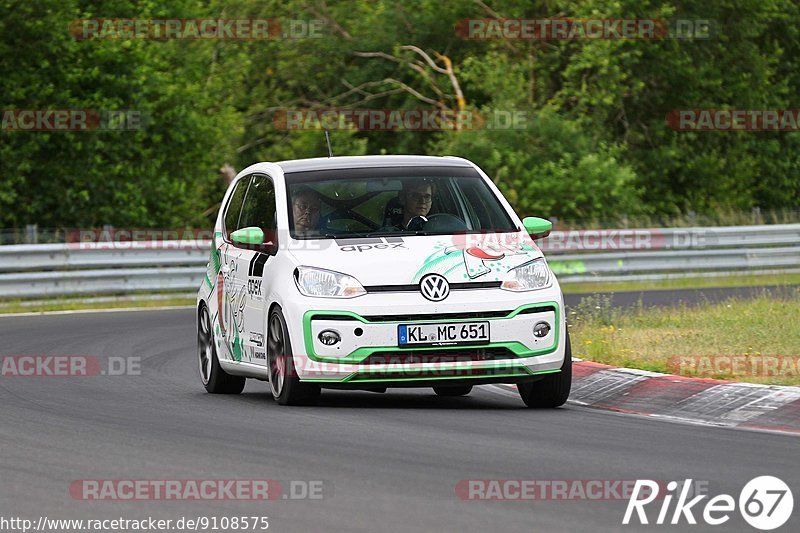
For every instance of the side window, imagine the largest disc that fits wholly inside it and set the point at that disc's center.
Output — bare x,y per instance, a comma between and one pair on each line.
235,207
259,206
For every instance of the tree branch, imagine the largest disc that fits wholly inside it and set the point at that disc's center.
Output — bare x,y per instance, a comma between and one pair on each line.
329,20
425,56
453,80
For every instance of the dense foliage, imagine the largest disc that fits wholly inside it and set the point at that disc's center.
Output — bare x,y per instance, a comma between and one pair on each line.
595,146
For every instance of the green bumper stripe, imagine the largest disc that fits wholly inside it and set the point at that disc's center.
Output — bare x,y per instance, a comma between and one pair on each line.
378,377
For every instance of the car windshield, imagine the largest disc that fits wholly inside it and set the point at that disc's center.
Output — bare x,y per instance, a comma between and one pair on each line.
397,201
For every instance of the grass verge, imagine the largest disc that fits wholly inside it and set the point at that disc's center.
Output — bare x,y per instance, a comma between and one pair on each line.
93,303
748,280
754,340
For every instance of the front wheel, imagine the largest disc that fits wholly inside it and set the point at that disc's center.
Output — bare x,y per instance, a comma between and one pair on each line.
553,389
214,379
286,387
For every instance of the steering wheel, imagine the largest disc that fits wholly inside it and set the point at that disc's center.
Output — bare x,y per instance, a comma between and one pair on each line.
345,213
445,222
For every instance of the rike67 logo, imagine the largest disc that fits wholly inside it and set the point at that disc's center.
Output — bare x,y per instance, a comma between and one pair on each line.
765,503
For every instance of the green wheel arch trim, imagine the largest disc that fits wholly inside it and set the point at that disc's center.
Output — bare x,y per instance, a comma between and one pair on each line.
215,260
520,371
358,355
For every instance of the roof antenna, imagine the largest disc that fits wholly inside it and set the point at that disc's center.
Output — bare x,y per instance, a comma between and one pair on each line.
328,139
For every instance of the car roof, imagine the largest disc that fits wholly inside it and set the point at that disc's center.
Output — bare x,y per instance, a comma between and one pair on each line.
368,161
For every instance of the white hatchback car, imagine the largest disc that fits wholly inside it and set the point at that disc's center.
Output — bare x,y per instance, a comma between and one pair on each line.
374,272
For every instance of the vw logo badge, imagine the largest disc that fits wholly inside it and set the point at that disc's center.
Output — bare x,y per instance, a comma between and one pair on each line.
434,287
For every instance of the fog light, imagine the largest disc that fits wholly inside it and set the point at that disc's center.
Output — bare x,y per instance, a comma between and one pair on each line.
541,329
329,337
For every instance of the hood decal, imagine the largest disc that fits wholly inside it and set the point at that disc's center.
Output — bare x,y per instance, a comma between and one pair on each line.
475,260
394,261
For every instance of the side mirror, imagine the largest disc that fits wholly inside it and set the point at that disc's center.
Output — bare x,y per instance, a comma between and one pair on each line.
537,228
251,235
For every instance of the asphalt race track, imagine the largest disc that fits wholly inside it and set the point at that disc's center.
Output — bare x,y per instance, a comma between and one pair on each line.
387,462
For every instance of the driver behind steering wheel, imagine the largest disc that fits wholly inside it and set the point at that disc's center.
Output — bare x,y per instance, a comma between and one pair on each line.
416,197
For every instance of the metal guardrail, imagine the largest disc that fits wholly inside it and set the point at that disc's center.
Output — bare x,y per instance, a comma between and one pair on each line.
49,270
672,238
71,256
102,281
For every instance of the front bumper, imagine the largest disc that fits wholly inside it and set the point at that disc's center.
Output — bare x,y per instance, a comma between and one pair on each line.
368,352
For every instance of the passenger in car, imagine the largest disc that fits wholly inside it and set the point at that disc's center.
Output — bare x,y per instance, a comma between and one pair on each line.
305,209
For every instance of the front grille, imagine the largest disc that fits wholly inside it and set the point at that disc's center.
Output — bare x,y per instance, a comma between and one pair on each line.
471,315
439,356
436,316
468,315
453,286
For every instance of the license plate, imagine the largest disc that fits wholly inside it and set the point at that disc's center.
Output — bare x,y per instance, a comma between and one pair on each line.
443,334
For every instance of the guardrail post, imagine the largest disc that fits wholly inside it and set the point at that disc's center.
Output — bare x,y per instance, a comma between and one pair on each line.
757,215
32,234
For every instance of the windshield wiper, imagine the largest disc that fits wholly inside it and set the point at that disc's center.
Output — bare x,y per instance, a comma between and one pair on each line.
382,233
399,233
348,235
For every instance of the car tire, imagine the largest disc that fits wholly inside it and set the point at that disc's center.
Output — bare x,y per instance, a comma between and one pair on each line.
286,387
461,390
214,379
553,389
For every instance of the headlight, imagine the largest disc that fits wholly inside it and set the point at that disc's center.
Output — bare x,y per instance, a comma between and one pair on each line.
529,277
327,283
